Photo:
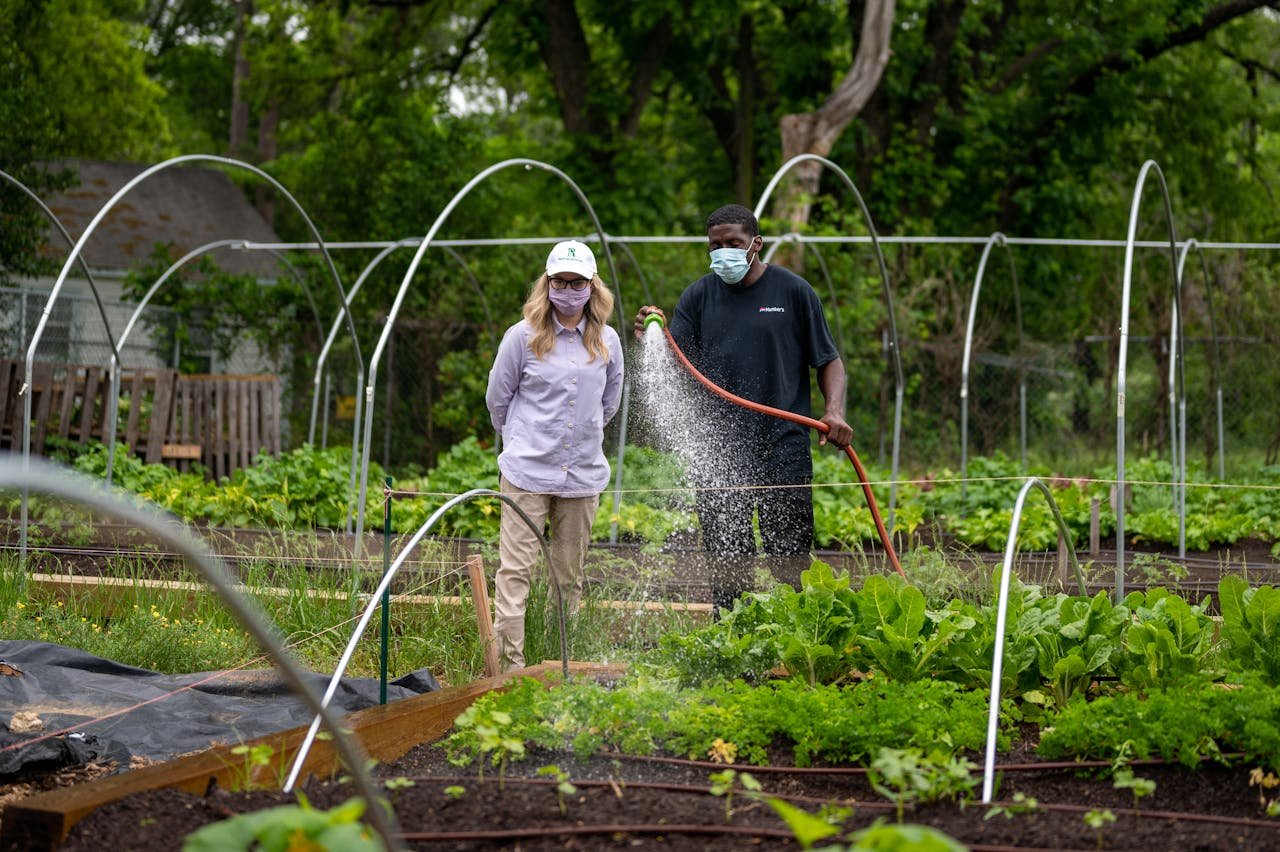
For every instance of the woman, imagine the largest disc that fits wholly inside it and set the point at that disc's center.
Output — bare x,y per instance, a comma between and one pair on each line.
555,383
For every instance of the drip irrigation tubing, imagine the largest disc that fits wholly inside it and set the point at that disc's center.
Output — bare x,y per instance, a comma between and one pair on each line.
1046,765
617,786
590,830
792,417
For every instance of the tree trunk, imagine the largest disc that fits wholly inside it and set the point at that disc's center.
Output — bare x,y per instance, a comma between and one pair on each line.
816,132
238,142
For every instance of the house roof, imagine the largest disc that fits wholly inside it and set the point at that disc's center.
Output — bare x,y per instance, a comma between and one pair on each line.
184,206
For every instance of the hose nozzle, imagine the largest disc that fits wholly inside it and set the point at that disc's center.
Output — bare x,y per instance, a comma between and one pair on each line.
652,318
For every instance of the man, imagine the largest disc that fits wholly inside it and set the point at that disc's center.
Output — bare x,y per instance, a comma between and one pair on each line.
756,330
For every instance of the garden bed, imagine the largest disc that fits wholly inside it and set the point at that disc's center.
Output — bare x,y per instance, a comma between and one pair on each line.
623,802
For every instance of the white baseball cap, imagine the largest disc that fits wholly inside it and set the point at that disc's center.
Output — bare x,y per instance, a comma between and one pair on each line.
571,256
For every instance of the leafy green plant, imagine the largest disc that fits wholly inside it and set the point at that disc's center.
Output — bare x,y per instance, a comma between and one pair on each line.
485,731
454,792
903,837
726,781
1168,642
807,828
1020,804
289,827
1075,638
1251,626
563,787
253,759
905,776
1124,779
1197,721
899,635
1098,820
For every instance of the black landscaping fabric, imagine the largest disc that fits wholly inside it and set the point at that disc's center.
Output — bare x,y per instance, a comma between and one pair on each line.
68,688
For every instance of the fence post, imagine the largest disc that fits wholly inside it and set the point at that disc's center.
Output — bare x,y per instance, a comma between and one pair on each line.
386,593
484,618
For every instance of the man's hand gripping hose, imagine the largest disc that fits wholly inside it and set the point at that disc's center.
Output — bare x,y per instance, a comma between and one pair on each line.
885,541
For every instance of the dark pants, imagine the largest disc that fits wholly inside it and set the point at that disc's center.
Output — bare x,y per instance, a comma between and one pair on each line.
728,538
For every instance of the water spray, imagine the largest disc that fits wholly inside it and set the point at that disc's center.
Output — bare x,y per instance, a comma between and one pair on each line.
890,553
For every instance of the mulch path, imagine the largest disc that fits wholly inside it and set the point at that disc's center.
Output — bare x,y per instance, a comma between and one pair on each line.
612,794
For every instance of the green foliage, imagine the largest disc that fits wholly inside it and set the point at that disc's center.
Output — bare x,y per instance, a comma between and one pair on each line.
1251,626
289,827
1074,641
563,787
807,828
482,732
725,782
1124,779
906,776
1197,721
1168,642
903,837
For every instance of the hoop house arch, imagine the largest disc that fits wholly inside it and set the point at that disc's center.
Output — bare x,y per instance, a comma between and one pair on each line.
79,247
899,384
996,239
84,267
1123,358
1178,397
48,308
155,288
793,237
321,378
371,378
635,264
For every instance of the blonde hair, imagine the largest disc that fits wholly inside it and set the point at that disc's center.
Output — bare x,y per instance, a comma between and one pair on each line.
540,314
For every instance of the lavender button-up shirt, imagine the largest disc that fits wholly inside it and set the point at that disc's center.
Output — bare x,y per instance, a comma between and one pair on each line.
551,412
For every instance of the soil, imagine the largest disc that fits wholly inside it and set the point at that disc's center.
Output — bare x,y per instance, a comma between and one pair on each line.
1209,809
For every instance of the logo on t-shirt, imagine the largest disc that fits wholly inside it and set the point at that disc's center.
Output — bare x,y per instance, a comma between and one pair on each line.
766,309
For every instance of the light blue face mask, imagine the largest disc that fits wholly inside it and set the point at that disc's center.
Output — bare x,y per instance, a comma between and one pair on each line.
731,264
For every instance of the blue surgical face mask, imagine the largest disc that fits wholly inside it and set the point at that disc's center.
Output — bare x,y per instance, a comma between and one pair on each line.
731,264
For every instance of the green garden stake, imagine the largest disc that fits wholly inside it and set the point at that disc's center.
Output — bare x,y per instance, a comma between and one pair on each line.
386,594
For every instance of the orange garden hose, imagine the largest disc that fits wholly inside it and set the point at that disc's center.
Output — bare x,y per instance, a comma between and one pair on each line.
794,418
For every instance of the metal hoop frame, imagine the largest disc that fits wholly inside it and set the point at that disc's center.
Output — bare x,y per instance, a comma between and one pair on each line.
110,436
394,311
47,479
376,598
1122,362
1002,610
996,239
75,255
899,384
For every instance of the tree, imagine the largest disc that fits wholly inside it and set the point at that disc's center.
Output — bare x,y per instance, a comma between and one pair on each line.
75,86
817,132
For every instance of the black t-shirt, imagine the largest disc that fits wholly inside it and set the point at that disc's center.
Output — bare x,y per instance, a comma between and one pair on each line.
760,343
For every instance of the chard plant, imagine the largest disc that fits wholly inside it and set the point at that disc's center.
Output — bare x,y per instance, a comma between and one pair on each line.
1251,626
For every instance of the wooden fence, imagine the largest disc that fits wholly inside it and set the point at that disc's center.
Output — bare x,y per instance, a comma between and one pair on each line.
221,421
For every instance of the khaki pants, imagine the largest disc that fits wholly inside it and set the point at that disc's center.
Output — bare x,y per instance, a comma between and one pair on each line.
518,550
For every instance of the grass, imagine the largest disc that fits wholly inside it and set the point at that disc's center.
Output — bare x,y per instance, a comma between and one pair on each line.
181,632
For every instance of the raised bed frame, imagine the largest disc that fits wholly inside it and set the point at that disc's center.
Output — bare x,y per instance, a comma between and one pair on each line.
387,732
